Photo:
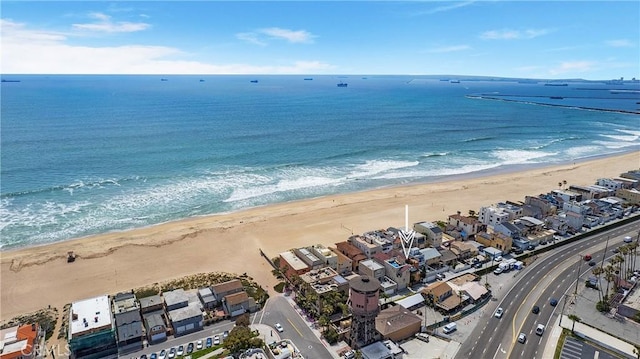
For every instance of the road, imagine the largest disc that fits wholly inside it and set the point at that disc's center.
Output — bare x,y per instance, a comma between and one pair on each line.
551,276
278,310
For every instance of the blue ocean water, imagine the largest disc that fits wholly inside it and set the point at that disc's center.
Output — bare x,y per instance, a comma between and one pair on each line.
83,155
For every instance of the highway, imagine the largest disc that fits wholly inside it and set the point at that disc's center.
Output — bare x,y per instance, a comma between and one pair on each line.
552,275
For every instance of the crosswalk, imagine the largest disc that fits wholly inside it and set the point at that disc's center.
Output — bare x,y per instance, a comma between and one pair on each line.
572,349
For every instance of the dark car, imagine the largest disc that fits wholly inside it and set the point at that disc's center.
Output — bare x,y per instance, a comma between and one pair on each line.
143,356
190,348
592,263
535,309
553,302
209,343
154,356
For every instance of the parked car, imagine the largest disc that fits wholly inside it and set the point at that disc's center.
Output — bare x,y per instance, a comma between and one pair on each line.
498,258
225,334
172,353
535,309
199,344
279,327
216,340
440,276
499,313
180,350
153,356
143,356
522,338
497,271
553,302
209,342
190,348
163,354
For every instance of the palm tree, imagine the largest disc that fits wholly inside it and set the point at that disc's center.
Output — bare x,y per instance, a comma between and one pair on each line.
574,318
609,276
624,250
564,182
597,271
559,185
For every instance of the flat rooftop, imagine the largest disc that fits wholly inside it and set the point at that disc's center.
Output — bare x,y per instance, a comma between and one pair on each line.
90,315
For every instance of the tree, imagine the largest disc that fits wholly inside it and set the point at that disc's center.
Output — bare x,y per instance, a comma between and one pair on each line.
242,338
559,185
243,320
574,318
597,271
564,182
472,213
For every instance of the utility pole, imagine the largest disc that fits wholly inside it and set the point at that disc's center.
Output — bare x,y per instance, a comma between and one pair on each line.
575,293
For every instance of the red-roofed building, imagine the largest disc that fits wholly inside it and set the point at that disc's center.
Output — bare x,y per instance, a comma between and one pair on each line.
19,341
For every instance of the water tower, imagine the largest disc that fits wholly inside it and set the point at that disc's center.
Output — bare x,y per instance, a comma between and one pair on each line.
364,305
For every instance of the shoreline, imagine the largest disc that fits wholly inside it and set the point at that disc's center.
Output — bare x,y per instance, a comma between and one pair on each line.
500,170
230,242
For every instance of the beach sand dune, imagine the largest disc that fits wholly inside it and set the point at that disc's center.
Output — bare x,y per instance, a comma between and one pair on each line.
33,278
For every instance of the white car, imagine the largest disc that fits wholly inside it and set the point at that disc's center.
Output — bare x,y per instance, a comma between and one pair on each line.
540,329
522,338
279,327
499,313
199,344
216,340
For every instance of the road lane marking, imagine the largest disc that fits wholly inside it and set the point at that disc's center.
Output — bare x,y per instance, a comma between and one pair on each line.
294,327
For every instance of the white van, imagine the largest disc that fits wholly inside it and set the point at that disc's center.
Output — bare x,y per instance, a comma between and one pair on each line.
451,327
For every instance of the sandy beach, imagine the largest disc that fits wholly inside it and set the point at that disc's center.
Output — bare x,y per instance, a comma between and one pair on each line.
33,278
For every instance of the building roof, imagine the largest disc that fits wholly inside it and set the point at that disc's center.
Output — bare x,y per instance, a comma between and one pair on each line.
154,319
150,301
228,286
371,264
411,301
380,350
447,255
192,310
90,315
236,298
129,330
18,341
430,253
437,288
175,297
364,284
395,318
294,261
205,292
464,219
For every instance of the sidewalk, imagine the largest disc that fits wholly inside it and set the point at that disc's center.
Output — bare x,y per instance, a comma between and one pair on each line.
591,334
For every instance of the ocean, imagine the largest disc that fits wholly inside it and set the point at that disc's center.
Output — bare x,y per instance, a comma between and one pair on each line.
83,155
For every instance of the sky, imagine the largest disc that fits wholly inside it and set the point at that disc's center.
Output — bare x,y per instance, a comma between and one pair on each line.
594,40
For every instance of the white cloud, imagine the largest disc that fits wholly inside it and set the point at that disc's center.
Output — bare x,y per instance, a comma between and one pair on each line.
250,37
446,49
509,34
105,24
450,6
299,36
620,43
570,67
261,36
26,51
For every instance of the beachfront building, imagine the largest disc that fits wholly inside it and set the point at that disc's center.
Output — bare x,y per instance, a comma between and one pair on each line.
592,191
615,184
431,231
151,304
309,258
539,207
630,195
397,323
364,305
128,323
238,303
366,245
155,326
467,226
326,255
207,298
91,329
20,341
291,265
221,290
175,299
499,213
187,319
